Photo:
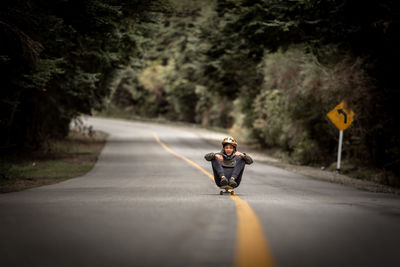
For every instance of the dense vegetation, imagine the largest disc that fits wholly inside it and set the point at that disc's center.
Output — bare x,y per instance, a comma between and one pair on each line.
269,70
58,60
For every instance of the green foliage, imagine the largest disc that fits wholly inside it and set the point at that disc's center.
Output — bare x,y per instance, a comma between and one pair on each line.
172,71
271,124
285,108
297,94
59,60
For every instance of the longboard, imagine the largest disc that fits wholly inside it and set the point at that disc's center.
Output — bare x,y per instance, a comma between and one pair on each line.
228,190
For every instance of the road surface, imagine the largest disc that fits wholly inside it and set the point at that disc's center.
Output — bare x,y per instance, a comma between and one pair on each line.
143,206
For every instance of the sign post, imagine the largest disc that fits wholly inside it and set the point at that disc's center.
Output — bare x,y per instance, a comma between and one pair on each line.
342,117
339,155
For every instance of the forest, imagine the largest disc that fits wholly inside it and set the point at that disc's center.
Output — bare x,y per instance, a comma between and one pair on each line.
268,71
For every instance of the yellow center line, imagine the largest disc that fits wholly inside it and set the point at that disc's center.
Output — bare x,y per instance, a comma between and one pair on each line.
252,247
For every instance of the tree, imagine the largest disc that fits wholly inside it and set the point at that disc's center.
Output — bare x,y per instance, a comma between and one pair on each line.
59,59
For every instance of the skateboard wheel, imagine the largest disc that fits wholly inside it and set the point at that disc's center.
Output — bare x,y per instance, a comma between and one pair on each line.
232,193
221,192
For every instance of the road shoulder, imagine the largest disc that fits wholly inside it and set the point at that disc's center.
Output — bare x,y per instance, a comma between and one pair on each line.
65,159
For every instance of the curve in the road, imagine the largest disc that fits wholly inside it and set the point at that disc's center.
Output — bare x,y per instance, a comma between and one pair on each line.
252,247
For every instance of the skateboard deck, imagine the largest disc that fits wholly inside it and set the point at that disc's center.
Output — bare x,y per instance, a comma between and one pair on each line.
228,190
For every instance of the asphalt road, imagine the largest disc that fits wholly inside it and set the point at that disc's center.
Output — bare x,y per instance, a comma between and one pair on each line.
143,206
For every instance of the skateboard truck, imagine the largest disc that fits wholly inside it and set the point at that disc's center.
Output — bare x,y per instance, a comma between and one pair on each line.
228,190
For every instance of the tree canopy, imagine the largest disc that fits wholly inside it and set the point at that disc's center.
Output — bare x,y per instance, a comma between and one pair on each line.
58,60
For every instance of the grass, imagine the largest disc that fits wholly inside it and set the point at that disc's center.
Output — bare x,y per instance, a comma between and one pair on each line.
63,159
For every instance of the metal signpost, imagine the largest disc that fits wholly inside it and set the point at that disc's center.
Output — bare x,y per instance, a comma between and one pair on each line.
342,117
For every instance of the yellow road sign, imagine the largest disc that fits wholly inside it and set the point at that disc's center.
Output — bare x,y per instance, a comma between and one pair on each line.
341,116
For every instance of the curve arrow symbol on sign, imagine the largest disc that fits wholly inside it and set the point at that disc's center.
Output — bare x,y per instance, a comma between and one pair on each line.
335,115
340,111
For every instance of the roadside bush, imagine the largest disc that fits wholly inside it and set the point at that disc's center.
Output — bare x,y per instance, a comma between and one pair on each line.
290,110
213,109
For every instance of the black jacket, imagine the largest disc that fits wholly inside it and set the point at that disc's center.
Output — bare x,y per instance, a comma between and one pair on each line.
228,162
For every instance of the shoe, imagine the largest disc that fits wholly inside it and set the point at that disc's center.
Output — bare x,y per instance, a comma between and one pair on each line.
224,181
232,182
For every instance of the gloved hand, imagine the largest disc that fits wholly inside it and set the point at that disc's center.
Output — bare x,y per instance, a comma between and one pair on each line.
239,154
219,157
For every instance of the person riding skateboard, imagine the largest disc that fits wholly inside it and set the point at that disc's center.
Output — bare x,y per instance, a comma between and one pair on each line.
228,163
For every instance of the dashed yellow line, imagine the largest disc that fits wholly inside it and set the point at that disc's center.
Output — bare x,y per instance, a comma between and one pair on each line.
252,247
